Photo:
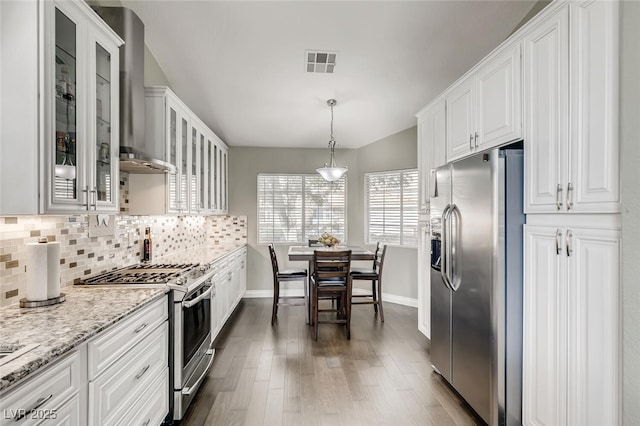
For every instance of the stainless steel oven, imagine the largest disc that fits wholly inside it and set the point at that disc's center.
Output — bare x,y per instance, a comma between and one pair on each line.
191,353
192,346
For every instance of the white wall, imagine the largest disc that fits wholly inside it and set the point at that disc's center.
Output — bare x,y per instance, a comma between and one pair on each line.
630,156
395,152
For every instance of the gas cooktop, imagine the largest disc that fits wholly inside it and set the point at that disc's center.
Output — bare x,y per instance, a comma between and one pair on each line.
162,273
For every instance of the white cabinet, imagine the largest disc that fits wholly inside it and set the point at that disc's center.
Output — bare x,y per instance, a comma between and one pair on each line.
593,183
424,280
571,368
230,283
48,394
73,157
483,109
199,185
431,146
571,104
124,362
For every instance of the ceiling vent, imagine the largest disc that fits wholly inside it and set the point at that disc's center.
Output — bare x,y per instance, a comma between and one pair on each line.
320,62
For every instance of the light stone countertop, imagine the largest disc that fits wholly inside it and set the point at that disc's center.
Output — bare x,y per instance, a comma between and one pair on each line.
87,311
59,328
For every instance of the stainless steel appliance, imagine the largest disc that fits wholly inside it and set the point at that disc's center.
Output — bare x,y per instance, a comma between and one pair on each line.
191,352
476,213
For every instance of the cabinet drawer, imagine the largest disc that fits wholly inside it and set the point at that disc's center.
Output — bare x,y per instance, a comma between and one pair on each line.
115,391
113,343
153,405
45,392
67,415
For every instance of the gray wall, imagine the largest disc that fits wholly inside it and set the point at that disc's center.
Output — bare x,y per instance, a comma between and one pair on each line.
630,155
395,152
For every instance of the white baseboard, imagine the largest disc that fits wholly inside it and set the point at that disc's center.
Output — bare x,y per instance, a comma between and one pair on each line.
391,298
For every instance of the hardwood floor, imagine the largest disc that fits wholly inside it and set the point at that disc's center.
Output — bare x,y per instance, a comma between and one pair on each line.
264,375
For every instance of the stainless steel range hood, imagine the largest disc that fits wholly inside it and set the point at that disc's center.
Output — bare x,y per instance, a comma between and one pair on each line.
137,154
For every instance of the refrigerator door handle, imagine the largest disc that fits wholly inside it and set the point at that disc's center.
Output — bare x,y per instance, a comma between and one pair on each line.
455,279
444,253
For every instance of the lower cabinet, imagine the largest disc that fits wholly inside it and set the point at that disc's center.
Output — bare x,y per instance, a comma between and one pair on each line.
230,283
571,353
424,280
51,397
125,362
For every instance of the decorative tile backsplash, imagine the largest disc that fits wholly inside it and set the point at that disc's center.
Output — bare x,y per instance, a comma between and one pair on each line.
82,255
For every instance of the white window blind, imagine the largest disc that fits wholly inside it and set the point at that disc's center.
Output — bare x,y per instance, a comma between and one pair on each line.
295,208
392,207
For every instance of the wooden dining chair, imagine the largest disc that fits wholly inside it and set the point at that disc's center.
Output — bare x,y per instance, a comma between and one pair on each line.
284,276
375,276
314,243
331,279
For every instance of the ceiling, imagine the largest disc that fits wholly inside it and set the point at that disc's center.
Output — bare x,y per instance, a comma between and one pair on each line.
240,65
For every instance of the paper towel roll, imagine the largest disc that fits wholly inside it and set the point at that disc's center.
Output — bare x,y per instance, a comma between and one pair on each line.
53,269
37,254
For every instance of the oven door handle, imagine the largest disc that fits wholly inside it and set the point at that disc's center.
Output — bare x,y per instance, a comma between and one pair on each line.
192,302
190,389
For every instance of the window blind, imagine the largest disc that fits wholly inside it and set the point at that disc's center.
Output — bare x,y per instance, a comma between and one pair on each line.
295,208
392,207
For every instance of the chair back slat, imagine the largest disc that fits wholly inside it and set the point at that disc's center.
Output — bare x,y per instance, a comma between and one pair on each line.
274,259
332,265
378,262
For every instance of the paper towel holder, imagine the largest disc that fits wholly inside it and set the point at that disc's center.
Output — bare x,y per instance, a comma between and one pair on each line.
24,303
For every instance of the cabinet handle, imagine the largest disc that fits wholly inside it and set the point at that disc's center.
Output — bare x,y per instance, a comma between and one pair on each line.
558,245
86,191
95,198
142,327
475,140
470,141
559,197
25,413
141,373
569,236
569,196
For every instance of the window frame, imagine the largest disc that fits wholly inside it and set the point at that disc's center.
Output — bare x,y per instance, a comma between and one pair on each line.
366,207
302,175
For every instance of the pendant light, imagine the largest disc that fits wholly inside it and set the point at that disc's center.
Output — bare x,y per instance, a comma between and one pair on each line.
332,172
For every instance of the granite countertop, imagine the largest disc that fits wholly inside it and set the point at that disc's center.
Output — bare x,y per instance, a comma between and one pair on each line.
58,329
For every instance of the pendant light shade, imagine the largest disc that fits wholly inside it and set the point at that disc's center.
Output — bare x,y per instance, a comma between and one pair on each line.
331,172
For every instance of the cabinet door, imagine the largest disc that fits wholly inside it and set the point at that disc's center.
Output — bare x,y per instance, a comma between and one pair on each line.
594,327
104,155
193,165
499,94
173,148
431,146
424,281
546,73
225,180
544,340
460,120
594,181
65,138
203,174
184,169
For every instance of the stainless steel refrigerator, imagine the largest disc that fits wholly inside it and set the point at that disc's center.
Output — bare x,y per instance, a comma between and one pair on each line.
476,214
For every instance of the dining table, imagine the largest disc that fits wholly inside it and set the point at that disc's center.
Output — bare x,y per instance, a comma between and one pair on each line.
305,253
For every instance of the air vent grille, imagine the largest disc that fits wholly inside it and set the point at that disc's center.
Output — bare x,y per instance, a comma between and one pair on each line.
320,61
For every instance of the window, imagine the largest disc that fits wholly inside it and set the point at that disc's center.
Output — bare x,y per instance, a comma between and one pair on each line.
295,208
392,207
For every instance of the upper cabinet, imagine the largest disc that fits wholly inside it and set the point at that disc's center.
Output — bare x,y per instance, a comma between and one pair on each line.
431,146
70,164
201,159
484,108
571,110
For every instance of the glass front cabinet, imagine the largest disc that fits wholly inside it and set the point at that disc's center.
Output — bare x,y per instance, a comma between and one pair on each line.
80,104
